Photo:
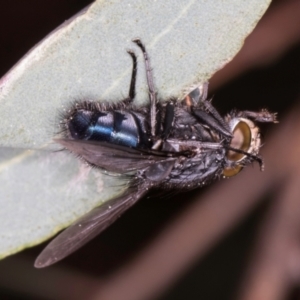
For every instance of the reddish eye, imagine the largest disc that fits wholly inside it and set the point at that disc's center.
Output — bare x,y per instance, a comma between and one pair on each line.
241,140
245,137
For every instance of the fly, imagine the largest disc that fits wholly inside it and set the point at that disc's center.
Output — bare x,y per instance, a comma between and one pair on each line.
170,145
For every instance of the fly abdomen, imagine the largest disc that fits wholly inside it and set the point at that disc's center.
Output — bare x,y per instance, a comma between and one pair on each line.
117,127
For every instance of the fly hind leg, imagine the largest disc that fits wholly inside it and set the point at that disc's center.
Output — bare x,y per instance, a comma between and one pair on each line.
131,92
152,93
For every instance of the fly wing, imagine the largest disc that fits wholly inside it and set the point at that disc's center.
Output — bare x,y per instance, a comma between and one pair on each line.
87,227
112,157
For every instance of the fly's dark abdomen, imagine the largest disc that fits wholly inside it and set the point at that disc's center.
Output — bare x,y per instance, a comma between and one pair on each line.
126,128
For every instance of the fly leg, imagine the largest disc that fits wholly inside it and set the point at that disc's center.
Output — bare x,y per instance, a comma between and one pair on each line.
164,127
152,93
168,120
131,93
212,121
204,111
212,111
197,101
263,116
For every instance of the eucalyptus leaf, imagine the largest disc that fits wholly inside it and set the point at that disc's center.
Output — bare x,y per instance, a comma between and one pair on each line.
43,191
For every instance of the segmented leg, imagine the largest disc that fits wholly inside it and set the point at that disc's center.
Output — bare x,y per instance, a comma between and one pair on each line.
263,116
168,121
254,157
212,121
208,107
131,93
204,110
152,94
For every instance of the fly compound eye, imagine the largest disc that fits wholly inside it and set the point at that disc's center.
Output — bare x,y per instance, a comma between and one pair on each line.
246,138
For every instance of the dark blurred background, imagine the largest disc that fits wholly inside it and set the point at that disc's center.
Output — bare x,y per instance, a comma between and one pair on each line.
270,79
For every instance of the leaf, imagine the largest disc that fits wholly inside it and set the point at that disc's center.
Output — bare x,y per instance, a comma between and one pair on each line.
43,191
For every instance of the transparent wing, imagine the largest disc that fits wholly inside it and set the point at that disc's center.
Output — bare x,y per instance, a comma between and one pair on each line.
112,157
87,227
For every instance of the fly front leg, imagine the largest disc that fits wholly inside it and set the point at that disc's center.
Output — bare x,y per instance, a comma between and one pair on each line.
212,111
212,122
263,116
204,111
